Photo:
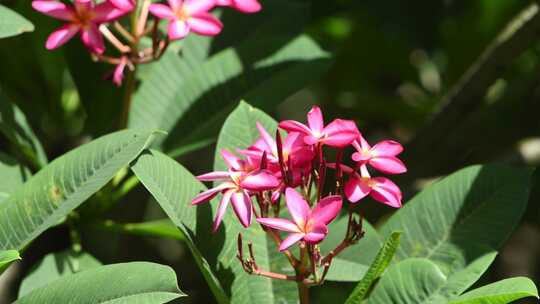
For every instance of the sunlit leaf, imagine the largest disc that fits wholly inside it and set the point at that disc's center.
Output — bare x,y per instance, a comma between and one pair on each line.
12,24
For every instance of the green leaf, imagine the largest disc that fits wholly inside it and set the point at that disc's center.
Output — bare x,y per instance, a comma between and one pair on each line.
420,281
12,24
463,216
56,265
501,292
64,184
15,127
376,269
13,175
7,257
352,263
173,187
239,131
411,281
158,228
136,282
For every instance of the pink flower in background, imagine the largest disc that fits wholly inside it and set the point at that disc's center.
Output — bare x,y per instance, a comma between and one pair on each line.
361,185
240,180
82,17
309,225
293,148
118,75
187,16
244,6
126,5
382,156
339,133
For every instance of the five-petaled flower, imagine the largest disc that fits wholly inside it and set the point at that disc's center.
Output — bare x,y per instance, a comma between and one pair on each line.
244,6
306,224
339,133
380,189
242,178
382,156
187,16
82,17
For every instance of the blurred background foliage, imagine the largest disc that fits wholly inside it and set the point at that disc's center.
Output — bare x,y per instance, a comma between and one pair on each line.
394,64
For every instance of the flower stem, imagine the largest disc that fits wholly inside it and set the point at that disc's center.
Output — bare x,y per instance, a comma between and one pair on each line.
128,95
303,293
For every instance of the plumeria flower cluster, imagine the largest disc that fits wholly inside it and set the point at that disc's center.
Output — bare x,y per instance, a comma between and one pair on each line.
294,170
98,21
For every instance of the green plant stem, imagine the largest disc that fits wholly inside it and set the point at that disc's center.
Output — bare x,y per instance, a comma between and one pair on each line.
128,96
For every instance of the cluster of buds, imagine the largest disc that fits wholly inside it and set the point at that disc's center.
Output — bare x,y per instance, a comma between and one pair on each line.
95,21
296,167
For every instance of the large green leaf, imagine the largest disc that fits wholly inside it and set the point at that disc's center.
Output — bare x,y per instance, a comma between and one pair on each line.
239,131
136,282
463,216
502,292
64,184
12,24
56,265
173,187
13,175
376,269
420,281
7,257
15,127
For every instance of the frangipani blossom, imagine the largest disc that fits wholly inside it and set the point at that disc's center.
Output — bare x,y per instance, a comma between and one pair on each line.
382,156
293,148
185,16
126,5
239,181
82,17
361,185
118,74
306,224
244,6
339,133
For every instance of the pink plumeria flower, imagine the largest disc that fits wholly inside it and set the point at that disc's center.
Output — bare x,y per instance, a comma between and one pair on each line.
339,133
361,185
244,6
306,224
82,17
125,5
239,182
187,16
293,148
118,74
382,156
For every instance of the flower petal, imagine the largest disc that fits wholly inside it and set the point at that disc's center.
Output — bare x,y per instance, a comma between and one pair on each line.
388,165
247,6
93,40
386,192
175,4
259,181
177,29
267,139
199,6
162,11
294,126
242,207
60,36
205,24
316,234
279,224
387,148
356,189
210,194
315,119
340,133
225,199
290,240
327,209
212,176
298,207
106,12
125,5
54,9
118,75
232,160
